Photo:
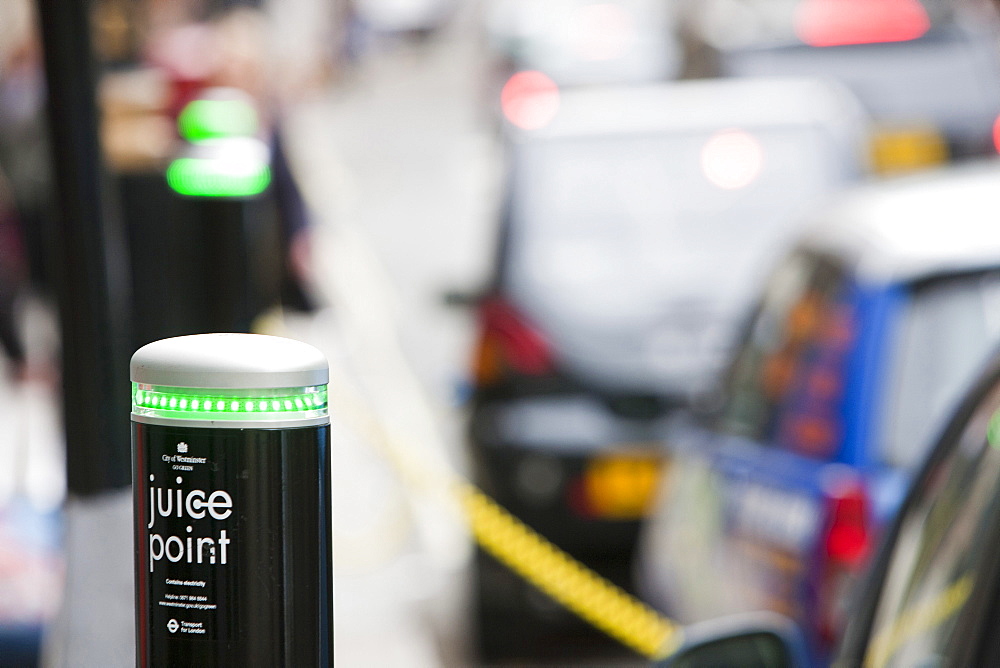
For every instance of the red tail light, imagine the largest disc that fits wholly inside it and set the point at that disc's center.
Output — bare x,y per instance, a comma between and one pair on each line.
842,22
508,343
846,545
529,100
848,538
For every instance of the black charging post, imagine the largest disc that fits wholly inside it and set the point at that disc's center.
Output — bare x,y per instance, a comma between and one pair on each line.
231,468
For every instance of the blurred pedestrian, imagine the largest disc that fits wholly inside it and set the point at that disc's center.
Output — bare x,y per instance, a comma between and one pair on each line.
26,215
24,146
12,278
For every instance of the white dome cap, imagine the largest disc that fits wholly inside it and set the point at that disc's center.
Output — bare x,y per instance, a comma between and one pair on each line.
229,361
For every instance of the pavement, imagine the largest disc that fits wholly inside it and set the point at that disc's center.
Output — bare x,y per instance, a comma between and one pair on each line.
401,181
402,177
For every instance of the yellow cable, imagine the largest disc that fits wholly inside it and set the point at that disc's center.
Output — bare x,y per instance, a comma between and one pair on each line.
582,591
599,602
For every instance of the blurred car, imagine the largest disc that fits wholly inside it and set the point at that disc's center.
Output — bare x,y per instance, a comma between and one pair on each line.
397,17
581,42
932,597
636,222
927,71
863,341
533,46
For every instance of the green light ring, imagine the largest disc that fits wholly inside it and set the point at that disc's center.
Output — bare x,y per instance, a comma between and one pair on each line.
214,119
237,404
206,177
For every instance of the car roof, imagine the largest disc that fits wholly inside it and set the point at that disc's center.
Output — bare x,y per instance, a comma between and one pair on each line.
908,228
681,106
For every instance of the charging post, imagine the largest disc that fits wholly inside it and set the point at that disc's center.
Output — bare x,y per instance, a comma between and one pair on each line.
231,484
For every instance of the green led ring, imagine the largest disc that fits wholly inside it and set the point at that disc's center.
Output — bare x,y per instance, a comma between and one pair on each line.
212,119
243,405
212,177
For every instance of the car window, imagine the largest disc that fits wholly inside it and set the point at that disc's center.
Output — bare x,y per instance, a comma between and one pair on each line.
949,328
787,382
613,230
940,550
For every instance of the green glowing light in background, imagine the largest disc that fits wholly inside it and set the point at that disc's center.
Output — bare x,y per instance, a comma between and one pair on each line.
214,119
215,177
223,158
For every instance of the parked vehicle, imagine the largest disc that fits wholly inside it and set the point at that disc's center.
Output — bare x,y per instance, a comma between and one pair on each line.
933,594
636,223
861,345
420,18
927,71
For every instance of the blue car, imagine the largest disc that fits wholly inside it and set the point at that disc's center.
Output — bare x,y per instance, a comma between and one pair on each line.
863,340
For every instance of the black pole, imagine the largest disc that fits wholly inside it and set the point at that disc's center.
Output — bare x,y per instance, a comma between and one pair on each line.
92,268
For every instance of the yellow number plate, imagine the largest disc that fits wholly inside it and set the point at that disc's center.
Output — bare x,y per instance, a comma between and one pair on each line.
906,149
622,486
